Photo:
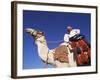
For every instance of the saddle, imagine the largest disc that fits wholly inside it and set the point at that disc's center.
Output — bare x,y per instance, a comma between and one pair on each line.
61,54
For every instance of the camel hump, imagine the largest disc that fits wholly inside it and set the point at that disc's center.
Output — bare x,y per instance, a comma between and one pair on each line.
61,54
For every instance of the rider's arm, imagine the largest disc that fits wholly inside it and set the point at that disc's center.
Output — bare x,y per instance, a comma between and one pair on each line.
74,32
66,38
77,31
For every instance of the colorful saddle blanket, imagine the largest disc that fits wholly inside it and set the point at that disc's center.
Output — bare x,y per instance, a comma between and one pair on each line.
82,51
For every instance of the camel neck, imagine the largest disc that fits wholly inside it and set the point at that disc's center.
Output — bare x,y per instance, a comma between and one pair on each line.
42,48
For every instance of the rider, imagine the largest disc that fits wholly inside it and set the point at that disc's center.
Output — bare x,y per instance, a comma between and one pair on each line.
72,36
72,33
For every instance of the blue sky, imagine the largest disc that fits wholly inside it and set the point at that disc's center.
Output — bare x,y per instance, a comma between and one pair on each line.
54,25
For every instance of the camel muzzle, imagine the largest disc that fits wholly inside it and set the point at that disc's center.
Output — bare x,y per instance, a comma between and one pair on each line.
31,31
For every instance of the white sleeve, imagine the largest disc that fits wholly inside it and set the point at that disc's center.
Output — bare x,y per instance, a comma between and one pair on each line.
77,31
74,32
66,37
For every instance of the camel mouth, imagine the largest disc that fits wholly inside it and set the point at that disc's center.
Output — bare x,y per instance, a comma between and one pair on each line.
31,31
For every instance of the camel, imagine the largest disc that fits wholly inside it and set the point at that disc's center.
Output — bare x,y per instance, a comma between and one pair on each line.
48,56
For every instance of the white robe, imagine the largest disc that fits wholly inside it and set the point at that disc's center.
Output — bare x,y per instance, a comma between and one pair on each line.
72,33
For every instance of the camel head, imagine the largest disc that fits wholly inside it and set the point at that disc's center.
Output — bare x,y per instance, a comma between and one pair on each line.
35,33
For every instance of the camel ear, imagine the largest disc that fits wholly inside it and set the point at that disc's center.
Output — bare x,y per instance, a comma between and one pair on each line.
42,33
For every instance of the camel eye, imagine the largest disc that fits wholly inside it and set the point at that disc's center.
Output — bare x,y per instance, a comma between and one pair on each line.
41,33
